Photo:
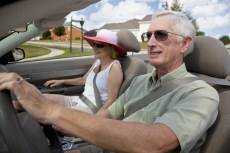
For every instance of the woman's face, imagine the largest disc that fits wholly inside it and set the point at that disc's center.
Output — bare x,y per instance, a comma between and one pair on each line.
102,50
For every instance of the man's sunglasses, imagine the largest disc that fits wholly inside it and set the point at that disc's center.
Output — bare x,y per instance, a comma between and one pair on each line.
160,35
96,45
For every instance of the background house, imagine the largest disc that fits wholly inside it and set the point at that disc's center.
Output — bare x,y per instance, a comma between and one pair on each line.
136,26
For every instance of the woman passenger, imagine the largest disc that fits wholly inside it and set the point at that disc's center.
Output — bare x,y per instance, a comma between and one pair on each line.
109,75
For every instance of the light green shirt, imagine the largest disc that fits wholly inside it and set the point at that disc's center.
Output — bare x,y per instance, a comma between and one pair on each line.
188,110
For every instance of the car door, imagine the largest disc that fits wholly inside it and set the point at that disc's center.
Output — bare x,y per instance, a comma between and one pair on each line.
37,72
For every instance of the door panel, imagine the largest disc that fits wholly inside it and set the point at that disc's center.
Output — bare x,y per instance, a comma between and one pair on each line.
37,72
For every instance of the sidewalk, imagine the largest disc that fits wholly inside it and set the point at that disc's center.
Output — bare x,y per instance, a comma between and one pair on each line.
53,52
58,44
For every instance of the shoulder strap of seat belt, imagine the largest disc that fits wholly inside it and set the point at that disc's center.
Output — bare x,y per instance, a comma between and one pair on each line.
157,93
96,91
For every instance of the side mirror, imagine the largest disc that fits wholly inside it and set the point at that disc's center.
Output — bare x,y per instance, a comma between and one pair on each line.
18,54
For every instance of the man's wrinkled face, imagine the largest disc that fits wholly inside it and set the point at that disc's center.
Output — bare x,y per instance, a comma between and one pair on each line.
163,46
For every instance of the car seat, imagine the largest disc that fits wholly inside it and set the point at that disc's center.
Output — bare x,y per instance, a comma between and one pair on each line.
131,66
210,62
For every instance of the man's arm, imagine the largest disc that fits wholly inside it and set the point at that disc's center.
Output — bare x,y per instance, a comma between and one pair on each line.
107,133
116,135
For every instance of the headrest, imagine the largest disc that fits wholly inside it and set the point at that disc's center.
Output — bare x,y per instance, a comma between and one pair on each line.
209,57
127,40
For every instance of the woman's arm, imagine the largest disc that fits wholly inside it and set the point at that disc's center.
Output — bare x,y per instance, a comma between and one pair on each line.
74,81
114,83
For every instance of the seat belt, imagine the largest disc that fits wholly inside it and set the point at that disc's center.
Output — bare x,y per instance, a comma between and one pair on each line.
98,100
96,91
157,93
89,103
214,81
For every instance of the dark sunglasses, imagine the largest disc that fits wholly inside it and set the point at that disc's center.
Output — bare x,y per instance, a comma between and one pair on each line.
160,35
96,45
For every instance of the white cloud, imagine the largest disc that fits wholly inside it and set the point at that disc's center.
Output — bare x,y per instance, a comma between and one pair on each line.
218,21
145,0
211,9
123,11
210,14
75,16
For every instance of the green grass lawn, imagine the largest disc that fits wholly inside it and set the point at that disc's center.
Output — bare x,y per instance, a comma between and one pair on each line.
67,41
76,52
38,50
34,51
142,45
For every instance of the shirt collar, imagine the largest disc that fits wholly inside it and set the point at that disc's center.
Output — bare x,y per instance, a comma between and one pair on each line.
177,73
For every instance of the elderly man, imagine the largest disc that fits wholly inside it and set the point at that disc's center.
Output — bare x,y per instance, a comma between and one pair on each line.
175,121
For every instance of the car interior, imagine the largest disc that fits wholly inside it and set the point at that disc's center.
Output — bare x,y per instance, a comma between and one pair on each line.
208,59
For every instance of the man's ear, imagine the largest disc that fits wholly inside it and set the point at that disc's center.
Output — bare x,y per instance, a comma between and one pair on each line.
186,43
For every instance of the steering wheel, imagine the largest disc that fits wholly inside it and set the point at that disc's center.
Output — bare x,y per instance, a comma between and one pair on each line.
20,132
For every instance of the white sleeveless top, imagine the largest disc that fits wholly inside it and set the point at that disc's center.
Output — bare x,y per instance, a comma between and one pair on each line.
101,82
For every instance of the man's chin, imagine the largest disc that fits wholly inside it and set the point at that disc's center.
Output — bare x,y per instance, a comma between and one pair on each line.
155,62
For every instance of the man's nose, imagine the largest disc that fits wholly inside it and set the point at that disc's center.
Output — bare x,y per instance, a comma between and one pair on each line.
152,41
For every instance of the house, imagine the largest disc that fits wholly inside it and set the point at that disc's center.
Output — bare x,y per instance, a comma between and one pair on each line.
144,25
76,33
136,26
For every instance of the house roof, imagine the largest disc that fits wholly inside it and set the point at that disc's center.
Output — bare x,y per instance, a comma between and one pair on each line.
130,24
147,18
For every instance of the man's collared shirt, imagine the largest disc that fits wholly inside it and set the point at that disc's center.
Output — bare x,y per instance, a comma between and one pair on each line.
188,110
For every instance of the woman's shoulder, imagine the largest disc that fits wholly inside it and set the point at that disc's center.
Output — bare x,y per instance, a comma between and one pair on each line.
115,66
115,63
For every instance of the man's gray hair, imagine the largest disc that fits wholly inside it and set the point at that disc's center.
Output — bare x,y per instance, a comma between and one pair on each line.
182,25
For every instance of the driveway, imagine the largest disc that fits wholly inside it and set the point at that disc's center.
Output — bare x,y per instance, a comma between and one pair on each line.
53,52
58,44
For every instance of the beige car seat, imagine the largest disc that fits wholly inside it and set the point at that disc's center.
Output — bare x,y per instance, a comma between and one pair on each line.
211,62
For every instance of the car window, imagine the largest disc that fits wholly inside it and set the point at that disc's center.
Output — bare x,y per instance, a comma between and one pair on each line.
55,47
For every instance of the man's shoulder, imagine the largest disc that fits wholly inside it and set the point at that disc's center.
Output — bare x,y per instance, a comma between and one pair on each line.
199,82
200,87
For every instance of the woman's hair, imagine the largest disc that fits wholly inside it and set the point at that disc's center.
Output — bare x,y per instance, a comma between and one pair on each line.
114,53
182,24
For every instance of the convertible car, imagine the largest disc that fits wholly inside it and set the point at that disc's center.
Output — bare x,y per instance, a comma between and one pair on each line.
22,20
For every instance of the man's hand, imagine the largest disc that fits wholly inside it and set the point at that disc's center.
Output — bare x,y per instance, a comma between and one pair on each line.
17,106
30,98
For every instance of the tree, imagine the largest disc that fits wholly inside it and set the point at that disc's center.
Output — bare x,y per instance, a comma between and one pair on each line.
200,33
59,31
46,35
177,6
225,39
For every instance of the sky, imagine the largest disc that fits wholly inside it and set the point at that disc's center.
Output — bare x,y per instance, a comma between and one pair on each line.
212,16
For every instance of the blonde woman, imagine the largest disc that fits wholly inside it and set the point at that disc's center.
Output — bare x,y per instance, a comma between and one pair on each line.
109,75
